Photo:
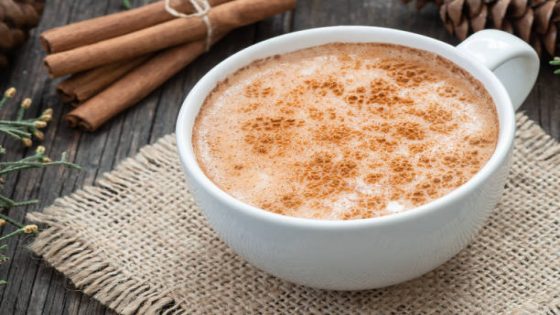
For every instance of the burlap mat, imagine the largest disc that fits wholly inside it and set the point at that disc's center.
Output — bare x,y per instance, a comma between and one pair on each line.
138,244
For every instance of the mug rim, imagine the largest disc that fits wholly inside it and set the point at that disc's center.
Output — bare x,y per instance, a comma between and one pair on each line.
502,103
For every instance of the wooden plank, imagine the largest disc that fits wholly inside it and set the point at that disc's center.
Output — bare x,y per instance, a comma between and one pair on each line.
49,289
34,287
543,104
274,26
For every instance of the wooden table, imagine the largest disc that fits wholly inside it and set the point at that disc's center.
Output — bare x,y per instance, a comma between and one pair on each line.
35,288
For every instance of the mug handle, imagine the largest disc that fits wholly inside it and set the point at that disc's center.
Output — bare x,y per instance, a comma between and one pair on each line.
512,60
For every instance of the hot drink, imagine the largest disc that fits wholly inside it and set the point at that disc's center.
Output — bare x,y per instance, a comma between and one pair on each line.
345,131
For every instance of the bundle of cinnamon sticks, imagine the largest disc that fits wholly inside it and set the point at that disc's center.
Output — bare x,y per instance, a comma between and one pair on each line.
117,60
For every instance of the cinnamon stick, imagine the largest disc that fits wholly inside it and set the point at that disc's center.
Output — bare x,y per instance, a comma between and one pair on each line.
134,86
80,87
178,31
97,29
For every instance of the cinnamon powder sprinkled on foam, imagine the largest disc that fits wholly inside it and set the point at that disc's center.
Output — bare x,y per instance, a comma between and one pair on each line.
345,131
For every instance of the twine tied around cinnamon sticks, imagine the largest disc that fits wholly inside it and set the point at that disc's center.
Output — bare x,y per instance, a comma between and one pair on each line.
202,8
117,60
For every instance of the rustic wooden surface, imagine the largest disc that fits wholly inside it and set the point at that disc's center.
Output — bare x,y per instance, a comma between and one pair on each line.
35,288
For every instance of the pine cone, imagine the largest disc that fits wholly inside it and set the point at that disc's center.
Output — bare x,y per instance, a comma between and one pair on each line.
535,21
17,17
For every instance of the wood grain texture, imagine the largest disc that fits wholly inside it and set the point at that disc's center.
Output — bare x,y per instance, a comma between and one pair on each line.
35,288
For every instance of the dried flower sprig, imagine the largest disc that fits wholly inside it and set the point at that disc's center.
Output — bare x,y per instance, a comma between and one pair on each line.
37,160
24,130
555,62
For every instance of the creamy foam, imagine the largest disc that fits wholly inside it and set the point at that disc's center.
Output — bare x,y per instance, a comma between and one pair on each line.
345,131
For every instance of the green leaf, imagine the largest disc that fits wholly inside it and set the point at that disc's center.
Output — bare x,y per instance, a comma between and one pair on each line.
555,62
126,4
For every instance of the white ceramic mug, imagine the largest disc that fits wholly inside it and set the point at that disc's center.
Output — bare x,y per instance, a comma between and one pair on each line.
376,252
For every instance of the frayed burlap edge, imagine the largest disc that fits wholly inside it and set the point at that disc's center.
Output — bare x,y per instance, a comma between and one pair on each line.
542,146
127,294
124,293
